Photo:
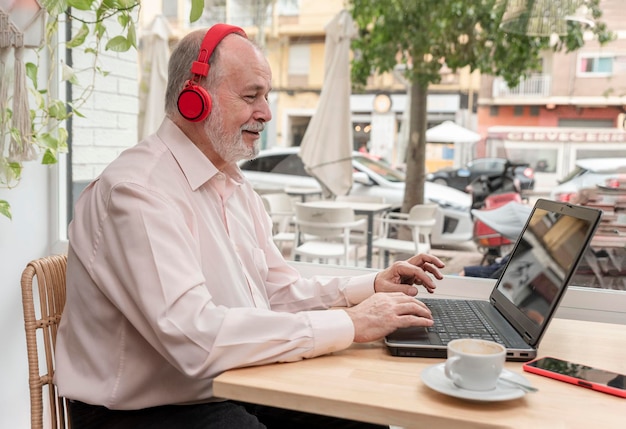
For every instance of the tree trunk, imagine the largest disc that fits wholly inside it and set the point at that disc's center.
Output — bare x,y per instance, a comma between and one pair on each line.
416,149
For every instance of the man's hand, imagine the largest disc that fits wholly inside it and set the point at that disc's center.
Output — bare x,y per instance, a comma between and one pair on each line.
383,313
402,276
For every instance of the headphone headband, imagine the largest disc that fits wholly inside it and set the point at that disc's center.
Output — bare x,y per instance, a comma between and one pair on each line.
212,38
194,102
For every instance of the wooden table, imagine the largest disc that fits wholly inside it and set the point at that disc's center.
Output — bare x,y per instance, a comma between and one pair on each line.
369,210
365,383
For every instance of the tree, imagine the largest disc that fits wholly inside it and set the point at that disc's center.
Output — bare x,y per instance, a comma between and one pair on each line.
425,35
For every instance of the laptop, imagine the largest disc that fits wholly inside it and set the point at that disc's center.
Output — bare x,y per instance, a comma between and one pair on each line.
524,298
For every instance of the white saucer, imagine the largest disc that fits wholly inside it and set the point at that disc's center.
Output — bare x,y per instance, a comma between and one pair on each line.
435,378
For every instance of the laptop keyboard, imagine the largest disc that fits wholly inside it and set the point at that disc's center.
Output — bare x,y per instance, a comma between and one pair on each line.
459,319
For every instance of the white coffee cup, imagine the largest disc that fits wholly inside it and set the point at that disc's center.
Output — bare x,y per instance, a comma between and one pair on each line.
474,364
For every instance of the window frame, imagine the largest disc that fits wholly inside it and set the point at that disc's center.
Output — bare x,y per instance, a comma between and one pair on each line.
299,61
596,56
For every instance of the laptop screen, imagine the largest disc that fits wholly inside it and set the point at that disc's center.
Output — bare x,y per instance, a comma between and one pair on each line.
543,261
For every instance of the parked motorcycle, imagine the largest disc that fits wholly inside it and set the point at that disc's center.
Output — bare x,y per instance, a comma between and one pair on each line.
489,193
485,186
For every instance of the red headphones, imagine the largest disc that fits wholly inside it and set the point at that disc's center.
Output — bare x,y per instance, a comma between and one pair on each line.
194,102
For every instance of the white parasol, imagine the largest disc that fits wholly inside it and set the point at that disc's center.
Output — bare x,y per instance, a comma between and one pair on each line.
155,56
450,132
326,149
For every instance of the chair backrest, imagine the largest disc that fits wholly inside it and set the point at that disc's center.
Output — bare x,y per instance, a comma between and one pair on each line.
425,215
423,212
279,206
324,221
426,210
47,275
375,199
277,202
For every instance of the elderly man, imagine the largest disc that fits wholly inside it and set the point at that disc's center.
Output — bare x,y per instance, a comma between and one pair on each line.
173,276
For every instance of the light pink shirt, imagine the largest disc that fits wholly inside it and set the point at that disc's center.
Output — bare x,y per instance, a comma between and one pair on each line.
173,278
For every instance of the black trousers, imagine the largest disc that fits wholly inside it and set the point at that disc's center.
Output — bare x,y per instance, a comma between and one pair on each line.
213,415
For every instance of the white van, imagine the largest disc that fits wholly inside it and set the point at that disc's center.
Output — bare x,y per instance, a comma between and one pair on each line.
588,174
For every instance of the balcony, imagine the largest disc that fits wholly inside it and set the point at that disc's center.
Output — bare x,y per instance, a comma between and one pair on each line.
537,85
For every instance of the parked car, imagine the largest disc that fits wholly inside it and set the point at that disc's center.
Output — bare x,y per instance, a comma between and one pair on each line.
460,178
588,173
275,169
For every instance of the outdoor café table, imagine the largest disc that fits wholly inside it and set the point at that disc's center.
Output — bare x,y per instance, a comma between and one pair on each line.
370,210
303,193
366,383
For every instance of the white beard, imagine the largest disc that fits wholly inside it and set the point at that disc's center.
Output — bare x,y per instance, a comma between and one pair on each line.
230,147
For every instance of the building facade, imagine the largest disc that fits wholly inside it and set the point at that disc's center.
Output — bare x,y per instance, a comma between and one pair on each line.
573,108
292,33
577,92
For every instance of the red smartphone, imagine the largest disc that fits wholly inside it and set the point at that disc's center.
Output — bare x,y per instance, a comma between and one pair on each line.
578,374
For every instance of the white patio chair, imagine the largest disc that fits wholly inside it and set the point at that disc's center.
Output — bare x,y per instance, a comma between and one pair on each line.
323,232
360,235
279,206
420,220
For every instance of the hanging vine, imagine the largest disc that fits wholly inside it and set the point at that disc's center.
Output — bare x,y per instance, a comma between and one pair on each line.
45,134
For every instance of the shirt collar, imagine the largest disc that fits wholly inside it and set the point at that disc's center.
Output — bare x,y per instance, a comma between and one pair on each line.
196,167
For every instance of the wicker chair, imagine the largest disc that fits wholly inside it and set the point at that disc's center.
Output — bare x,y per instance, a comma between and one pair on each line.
48,276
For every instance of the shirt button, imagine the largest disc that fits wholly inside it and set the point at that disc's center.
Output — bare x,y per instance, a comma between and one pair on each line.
221,176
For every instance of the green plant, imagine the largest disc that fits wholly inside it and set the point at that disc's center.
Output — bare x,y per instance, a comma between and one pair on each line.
48,114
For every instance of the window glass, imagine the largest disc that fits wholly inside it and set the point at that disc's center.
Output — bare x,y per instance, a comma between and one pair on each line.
214,12
605,65
495,165
381,169
588,64
599,153
263,164
303,60
292,165
577,171
541,159
278,164
170,8
288,7
299,59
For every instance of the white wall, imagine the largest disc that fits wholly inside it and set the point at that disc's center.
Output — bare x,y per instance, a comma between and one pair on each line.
21,240
32,233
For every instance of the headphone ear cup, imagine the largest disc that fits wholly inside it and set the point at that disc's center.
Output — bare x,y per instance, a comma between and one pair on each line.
194,103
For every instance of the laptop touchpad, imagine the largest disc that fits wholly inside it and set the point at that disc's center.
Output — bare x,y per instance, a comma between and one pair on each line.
413,334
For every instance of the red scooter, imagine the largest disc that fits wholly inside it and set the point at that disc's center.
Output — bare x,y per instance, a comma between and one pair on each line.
491,243
489,193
